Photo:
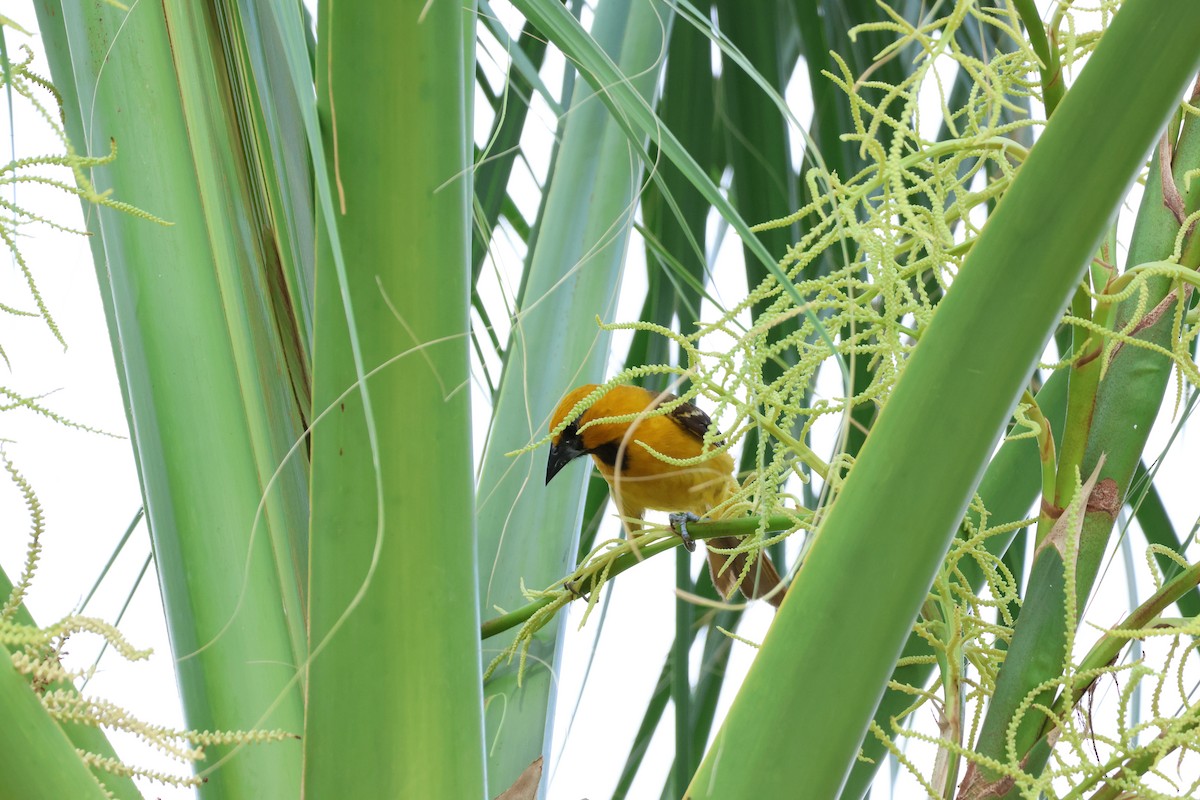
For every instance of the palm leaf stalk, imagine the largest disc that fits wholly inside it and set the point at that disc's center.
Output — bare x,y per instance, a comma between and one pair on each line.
193,344
393,516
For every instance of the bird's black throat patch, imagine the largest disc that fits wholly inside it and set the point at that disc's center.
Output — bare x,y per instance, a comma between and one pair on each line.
607,453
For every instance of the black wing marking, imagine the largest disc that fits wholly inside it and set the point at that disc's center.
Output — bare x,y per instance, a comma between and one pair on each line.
691,418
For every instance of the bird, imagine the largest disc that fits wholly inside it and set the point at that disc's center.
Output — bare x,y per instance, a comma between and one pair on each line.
641,482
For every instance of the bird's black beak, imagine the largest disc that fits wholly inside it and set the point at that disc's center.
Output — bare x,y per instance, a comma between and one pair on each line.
569,448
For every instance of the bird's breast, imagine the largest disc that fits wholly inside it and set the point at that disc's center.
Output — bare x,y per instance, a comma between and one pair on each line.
643,481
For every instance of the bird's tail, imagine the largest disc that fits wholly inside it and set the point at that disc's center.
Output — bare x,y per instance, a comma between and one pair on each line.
760,581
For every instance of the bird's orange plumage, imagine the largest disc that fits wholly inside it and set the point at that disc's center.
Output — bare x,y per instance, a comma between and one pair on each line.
640,481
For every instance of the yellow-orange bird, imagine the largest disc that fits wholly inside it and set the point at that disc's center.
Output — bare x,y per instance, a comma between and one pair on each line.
639,481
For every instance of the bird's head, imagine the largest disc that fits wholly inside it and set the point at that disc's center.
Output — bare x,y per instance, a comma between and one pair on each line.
568,445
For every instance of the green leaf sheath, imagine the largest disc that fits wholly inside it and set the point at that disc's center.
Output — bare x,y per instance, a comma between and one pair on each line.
395,706
192,357
36,757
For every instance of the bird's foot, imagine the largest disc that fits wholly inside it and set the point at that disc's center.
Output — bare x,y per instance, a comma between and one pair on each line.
574,588
679,523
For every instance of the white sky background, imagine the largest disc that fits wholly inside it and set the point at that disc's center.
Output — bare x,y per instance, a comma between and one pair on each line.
87,486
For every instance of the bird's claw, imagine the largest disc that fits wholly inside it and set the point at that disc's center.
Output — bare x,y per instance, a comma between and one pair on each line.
679,525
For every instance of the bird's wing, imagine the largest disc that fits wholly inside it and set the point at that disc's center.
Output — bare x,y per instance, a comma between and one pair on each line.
689,417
